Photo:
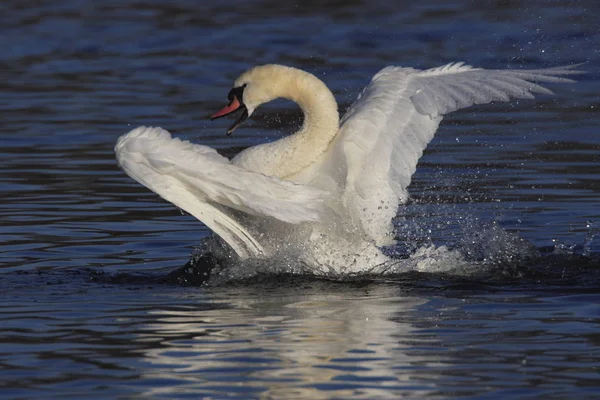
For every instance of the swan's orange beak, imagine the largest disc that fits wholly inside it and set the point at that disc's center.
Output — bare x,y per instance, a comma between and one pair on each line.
236,102
233,105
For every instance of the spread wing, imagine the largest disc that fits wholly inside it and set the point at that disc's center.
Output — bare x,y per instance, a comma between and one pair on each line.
384,133
205,184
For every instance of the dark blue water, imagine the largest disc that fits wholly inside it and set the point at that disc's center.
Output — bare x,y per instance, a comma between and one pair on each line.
86,310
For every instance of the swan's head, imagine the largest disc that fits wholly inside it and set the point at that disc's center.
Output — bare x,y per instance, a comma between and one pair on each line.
236,102
254,87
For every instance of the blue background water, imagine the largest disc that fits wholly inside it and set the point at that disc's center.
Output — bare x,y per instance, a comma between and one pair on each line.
75,75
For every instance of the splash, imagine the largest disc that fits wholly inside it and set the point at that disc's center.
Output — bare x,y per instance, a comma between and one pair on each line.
449,241
573,249
589,238
481,249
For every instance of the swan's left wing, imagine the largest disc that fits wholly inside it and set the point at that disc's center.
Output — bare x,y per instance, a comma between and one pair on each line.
200,181
384,133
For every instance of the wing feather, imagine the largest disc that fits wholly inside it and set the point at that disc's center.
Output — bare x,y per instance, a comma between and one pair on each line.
384,133
200,181
433,96
210,177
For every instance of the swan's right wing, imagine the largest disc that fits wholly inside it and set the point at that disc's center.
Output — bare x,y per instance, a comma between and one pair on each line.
384,133
200,181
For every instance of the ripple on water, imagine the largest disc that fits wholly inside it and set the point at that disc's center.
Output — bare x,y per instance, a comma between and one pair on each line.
76,75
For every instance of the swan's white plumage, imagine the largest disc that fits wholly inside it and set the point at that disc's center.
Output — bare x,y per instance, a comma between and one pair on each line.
441,90
341,187
200,181
150,154
385,131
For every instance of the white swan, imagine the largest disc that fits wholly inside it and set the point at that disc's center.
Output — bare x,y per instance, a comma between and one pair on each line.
325,195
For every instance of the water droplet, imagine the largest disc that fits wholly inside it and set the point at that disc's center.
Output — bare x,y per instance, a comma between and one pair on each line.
589,238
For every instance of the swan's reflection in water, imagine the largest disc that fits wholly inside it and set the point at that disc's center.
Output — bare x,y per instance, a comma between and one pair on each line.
354,342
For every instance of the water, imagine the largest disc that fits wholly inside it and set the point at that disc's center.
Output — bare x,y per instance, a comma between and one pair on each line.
87,311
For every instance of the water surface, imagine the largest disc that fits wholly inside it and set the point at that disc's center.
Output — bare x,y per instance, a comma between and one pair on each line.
78,74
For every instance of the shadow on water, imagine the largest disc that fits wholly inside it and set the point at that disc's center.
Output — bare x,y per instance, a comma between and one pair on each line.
565,273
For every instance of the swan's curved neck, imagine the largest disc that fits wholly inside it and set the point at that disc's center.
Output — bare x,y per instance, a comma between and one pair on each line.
321,121
292,154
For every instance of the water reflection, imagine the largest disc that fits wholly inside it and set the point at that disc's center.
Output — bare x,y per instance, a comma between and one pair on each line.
294,338
293,344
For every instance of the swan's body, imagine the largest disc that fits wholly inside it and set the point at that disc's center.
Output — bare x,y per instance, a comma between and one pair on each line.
327,194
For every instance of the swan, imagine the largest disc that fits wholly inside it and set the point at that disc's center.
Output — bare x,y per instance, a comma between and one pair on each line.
324,196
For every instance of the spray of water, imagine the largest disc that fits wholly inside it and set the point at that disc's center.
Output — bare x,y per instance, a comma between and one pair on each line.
441,239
